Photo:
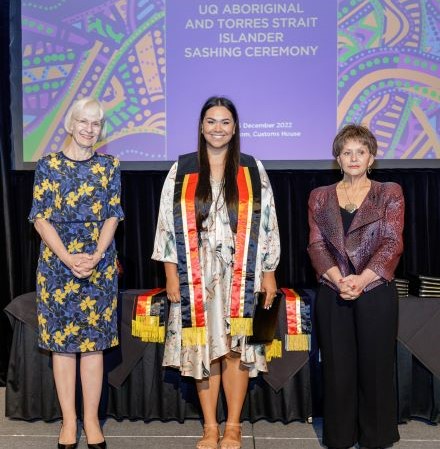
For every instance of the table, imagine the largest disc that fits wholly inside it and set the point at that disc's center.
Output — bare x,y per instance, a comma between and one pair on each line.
135,384
136,387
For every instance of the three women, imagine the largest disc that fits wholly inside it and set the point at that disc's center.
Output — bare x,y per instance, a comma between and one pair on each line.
217,235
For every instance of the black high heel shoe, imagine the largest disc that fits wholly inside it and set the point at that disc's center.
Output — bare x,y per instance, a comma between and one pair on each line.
101,445
67,446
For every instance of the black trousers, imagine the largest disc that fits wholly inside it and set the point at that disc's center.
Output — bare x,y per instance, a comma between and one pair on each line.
357,341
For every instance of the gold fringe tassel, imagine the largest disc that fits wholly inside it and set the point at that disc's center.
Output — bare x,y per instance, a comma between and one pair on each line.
241,326
273,350
148,329
193,336
300,342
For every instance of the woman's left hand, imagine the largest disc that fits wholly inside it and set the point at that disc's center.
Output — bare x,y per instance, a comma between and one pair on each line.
85,267
269,286
354,287
357,283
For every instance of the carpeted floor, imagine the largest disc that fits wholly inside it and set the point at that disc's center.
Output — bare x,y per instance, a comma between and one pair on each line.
158,435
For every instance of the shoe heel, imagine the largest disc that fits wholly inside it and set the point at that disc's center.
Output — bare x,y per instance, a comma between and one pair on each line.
101,445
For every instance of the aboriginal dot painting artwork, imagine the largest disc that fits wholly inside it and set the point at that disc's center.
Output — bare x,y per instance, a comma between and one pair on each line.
388,72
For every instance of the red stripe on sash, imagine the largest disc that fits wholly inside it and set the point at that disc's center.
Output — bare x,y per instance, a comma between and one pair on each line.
194,272
243,227
292,312
143,305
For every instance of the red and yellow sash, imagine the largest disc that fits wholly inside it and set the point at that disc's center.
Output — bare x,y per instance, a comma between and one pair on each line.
298,322
148,320
187,244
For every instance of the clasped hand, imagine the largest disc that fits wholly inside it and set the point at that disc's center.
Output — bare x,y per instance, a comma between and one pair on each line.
351,287
83,264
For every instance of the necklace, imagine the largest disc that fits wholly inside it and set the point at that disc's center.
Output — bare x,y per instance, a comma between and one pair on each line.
349,207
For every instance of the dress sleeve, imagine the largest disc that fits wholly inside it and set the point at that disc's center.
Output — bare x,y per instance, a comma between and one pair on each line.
269,240
165,241
42,203
114,192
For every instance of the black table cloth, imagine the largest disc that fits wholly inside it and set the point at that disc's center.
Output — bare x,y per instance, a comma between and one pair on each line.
137,387
135,384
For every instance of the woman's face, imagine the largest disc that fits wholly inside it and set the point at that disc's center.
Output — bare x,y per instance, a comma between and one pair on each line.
86,128
355,158
218,127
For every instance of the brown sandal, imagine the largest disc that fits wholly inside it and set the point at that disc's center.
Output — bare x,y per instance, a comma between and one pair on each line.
208,442
228,442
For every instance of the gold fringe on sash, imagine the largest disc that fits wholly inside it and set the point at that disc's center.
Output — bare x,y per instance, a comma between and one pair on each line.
241,326
274,350
148,329
194,336
297,342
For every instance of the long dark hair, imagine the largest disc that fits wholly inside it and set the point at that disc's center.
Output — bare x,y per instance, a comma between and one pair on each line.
203,198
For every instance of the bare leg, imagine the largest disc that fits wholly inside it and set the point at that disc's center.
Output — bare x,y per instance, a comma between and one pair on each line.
64,372
92,370
208,391
235,380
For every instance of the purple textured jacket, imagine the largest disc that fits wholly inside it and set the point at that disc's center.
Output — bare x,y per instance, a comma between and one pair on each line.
374,239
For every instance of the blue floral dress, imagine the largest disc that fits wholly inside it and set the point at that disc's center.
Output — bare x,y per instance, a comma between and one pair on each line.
77,315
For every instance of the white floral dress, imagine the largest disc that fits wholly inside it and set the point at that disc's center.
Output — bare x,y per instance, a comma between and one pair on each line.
216,261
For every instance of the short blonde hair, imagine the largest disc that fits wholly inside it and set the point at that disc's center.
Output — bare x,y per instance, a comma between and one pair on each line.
76,110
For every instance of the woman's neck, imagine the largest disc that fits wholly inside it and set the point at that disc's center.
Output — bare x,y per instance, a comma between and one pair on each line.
217,159
78,153
356,182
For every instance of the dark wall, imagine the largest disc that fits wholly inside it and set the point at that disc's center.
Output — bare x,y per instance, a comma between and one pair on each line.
140,200
5,164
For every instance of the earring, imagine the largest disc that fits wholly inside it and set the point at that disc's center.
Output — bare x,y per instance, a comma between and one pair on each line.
369,169
342,171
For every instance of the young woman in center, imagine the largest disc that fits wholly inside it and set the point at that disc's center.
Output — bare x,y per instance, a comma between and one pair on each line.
217,235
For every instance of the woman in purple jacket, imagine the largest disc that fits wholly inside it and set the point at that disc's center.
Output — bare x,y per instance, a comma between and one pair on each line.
355,244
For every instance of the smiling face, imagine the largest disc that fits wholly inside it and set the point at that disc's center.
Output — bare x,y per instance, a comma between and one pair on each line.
86,127
218,127
355,158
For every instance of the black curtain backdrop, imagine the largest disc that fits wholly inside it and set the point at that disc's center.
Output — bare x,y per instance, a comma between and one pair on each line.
141,190
140,200
6,254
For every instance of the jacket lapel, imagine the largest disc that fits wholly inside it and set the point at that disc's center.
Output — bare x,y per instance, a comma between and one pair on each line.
370,210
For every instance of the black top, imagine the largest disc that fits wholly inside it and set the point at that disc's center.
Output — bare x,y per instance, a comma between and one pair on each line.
347,218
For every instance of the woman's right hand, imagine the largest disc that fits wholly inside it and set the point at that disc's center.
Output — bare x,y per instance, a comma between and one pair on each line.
173,284
80,265
334,275
173,288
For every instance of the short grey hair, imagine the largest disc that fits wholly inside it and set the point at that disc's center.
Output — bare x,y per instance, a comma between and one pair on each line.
76,110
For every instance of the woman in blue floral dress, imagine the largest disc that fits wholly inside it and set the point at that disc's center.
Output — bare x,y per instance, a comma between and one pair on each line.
76,209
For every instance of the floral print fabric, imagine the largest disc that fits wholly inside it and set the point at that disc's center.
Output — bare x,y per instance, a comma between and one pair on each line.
217,259
76,315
